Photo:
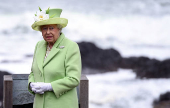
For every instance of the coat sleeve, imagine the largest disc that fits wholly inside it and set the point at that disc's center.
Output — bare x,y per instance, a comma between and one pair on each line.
73,71
31,75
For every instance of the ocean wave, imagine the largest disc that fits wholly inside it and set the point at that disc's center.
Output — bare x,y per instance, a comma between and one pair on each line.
133,32
122,90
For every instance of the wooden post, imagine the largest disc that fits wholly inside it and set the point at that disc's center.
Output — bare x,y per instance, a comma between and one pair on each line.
7,91
84,92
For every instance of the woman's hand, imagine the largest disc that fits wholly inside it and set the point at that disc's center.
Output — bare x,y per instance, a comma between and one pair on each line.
41,87
33,87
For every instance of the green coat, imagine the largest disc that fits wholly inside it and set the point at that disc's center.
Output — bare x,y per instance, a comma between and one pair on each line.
61,68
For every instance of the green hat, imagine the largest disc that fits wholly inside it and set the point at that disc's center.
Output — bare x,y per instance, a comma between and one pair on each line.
50,16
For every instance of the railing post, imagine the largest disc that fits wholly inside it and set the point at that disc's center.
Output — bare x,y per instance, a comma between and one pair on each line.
7,91
83,91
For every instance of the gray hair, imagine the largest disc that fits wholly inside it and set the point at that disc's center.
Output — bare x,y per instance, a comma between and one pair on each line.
59,26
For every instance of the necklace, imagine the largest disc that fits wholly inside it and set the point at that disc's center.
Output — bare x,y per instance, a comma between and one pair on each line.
47,52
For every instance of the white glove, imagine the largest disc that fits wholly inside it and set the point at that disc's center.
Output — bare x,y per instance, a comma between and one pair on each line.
35,86
32,87
41,87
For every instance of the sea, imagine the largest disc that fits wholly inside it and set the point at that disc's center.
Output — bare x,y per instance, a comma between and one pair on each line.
132,27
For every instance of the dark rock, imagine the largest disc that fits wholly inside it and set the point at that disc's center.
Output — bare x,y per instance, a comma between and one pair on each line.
94,58
163,101
134,62
154,69
165,97
165,104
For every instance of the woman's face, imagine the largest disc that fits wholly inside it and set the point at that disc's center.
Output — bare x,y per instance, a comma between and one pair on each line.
50,33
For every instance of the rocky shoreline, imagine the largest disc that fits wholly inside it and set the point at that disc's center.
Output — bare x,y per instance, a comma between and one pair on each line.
96,60
163,101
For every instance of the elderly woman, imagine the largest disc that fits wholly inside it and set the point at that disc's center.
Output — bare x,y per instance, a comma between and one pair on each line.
56,67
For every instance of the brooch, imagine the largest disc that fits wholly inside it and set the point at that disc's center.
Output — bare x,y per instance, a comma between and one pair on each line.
61,47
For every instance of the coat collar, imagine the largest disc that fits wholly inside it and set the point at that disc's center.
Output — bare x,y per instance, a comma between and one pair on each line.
42,51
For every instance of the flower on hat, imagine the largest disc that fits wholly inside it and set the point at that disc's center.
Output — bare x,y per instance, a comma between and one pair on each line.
49,16
42,15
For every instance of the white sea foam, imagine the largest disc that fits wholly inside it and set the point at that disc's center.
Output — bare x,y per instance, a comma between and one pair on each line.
121,90
130,35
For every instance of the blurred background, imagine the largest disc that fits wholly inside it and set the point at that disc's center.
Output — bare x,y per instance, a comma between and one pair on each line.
125,47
